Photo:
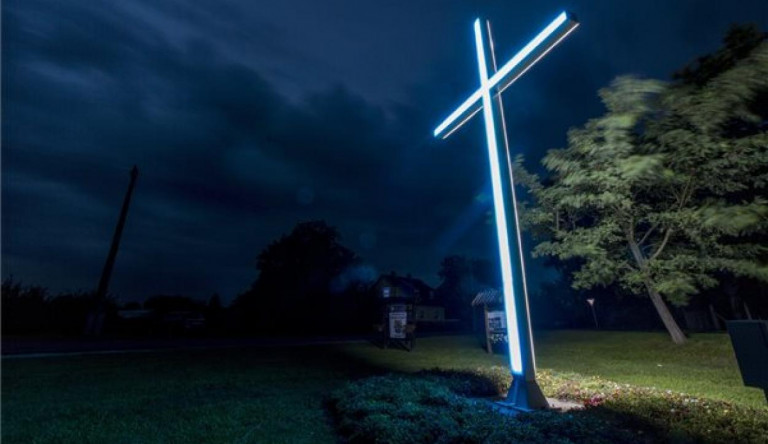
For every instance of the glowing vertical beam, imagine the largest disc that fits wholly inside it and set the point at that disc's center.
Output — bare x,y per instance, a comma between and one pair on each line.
512,183
515,354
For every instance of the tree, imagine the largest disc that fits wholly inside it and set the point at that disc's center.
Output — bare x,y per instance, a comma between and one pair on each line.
294,287
462,278
739,42
664,191
31,310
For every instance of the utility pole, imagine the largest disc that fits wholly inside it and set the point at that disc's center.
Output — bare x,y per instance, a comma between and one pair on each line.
96,318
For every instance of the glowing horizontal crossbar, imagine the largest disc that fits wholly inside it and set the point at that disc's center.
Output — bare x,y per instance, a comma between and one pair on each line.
521,62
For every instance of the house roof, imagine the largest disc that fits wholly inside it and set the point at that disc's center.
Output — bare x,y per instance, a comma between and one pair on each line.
412,287
487,296
412,283
409,283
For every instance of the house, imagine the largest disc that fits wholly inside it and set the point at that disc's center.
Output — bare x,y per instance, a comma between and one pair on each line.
393,286
415,291
429,313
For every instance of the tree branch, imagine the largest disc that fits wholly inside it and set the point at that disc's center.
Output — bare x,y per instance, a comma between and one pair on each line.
634,249
663,244
687,189
648,233
629,266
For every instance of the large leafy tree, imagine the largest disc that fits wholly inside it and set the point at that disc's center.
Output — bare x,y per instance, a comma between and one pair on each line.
666,190
293,291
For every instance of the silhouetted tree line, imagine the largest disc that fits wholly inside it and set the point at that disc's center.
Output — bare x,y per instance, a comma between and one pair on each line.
308,282
32,310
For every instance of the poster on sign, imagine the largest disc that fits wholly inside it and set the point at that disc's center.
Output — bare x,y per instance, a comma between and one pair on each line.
496,322
397,324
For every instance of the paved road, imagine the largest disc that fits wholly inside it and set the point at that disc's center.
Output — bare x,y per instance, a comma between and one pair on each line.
18,348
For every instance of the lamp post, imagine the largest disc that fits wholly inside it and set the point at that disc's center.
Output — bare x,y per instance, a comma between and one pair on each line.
591,302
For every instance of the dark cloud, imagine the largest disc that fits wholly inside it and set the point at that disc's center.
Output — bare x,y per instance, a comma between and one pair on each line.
247,118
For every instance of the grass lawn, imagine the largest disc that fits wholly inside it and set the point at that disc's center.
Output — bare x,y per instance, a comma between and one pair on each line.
705,366
277,395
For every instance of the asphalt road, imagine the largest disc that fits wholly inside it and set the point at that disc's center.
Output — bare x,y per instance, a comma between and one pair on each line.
29,347
15,348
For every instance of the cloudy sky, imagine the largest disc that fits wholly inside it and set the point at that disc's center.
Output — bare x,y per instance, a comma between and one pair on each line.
246,117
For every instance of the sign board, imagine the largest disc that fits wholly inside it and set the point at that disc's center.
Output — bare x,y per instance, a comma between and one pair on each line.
397,323
750,343
497,322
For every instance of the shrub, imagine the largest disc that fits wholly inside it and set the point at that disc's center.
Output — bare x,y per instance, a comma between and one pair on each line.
421,409
437,406
677,415
480,382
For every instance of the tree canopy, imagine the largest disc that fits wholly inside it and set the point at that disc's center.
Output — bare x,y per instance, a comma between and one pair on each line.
666,189
295,287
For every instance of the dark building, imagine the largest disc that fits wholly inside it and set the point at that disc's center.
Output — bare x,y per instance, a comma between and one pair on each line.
426,308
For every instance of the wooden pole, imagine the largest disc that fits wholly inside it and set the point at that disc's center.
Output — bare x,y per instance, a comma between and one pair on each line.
96,319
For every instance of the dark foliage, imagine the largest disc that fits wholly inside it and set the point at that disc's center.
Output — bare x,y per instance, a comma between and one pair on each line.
557,305
306,284
30,310
738,42
462,278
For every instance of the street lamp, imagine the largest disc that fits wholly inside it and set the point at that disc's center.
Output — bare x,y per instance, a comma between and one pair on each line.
591,302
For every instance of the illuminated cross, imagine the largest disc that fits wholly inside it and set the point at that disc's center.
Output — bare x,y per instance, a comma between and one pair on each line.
524,393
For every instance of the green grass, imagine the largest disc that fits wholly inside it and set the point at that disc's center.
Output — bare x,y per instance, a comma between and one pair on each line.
705,366
277,395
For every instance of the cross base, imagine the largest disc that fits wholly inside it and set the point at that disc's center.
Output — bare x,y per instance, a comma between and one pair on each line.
524,396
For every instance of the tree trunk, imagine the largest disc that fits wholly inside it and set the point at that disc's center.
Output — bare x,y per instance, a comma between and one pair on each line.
666,316
661,307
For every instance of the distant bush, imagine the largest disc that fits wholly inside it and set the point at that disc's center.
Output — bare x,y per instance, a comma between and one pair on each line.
437,406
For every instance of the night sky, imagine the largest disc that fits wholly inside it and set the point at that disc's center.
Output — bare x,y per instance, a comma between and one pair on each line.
246,117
